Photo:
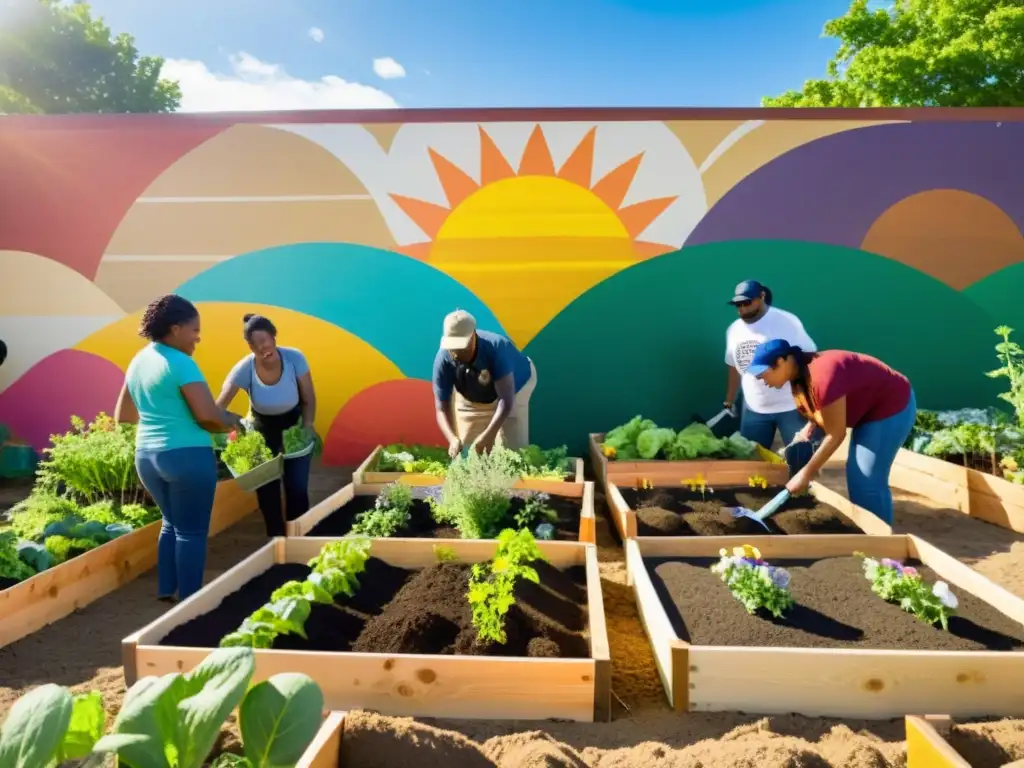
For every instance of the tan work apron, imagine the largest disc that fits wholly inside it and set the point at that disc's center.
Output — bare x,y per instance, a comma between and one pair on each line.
472,419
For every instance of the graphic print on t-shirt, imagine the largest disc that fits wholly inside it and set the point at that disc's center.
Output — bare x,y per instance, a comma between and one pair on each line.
745,353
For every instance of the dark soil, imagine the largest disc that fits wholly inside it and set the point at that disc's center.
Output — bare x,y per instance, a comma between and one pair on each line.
682,512
423,526
412,611
835,608
7,583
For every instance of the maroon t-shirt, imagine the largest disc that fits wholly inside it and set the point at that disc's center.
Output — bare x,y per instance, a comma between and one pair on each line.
873,390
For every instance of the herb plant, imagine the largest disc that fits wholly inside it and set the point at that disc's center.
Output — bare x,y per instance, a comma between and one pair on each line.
475,497
391,513
11,565
1011,359
245,451
492,585
902,585
754,582
535,510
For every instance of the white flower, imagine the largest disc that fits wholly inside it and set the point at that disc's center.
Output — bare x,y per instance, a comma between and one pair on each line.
947,598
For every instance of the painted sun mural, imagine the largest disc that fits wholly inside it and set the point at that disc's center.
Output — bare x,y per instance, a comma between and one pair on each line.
605,249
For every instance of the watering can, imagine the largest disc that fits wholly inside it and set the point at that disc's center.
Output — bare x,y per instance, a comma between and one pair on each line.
765,512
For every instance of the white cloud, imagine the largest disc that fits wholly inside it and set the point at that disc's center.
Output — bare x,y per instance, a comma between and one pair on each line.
316,34
388,68
252,84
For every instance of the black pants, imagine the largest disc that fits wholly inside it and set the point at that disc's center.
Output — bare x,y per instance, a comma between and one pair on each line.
296,474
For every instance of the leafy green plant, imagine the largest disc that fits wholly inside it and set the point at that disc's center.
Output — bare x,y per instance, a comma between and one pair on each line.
391,513
335,571
245,451
420,459
475,497
62,548
902,585
754,582
641,438
48,726
535,510
546,464
11,565
492,585
92,462
29,518
1011,359
298,437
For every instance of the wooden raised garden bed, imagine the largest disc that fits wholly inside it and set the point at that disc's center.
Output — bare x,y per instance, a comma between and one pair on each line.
334,515
34,603
369,479
930,744
841,651
325,750
978,494
673,509
627,472
409,599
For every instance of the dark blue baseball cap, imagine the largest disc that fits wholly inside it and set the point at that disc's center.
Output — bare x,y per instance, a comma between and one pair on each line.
747,291
767,353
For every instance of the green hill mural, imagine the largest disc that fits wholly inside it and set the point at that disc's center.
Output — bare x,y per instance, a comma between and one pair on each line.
651,338
999,295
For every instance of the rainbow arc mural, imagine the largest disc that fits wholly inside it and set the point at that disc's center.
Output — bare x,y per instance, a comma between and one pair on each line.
605,249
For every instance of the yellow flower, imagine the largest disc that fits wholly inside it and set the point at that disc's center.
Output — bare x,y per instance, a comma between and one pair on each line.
738,552
608,451
1009,463
751,553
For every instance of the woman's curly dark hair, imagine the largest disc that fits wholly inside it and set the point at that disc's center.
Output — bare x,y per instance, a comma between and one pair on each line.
163,314
254,322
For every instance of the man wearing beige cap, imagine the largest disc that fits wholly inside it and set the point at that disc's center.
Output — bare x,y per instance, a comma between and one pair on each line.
482,387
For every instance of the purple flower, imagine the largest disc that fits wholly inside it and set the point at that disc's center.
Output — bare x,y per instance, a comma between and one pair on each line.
780,577
894,564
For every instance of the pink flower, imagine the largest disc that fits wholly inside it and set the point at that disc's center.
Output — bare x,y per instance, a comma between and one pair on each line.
909,571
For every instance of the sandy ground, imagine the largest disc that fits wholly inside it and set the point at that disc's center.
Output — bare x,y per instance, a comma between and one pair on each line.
83,652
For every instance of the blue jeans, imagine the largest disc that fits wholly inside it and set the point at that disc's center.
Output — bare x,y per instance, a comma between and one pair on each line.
183,482
873,448
760,427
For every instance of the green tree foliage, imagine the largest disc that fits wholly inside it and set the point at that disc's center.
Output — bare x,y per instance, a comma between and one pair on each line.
57,58
924,53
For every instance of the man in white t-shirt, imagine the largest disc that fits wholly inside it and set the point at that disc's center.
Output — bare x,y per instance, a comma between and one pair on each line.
764,409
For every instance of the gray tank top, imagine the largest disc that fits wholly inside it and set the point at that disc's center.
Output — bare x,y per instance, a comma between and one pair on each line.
272,399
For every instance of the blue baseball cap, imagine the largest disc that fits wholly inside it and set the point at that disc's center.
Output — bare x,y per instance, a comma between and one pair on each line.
766,355
747,291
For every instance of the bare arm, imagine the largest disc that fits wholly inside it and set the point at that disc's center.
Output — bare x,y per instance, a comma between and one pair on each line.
227,394
834,417
307,395
205,411
444,420
125,411
506,389
733,387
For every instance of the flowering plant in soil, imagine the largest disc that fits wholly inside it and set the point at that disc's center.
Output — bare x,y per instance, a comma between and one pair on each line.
754,582
335,572
902,585
390,513
492,585
168,722
246,451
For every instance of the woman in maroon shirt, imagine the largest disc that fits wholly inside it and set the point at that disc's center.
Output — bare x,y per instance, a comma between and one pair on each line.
837,390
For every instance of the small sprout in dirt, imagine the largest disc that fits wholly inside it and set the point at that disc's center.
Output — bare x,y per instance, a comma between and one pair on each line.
535,510
902,585
607,451
491,585
698,483
643,484
753,581
756,481
444,554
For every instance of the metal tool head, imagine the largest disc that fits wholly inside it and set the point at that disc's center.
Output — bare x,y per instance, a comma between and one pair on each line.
750,515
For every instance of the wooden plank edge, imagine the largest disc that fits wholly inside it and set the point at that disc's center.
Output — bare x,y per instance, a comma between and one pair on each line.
304,523
600,649
588,515
622,516
926,747
370,461
862,518
325,749
598,461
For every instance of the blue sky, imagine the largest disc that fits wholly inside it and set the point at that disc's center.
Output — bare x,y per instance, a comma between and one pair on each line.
481,52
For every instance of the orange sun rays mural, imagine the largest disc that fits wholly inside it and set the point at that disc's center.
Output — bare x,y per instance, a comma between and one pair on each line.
528,241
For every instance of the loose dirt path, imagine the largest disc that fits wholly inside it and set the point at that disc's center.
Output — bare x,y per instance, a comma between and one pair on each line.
83,651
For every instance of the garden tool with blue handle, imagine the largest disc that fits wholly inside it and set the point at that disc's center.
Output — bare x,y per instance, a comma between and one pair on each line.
765,512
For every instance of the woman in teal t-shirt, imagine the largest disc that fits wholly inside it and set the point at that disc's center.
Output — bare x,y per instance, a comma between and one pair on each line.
166,395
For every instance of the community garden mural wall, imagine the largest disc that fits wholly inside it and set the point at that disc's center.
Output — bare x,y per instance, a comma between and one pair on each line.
606,248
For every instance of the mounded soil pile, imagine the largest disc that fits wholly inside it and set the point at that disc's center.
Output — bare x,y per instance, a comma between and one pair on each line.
412,611
835,608
682,512
988,745
423,526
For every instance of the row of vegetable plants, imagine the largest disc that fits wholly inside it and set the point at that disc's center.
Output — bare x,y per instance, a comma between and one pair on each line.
249,460
479,496
175,720
892,624
509,628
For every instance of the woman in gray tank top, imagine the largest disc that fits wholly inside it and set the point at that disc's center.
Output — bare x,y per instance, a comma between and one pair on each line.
280,389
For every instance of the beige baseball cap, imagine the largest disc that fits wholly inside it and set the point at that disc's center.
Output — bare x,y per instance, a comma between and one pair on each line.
459,327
